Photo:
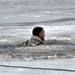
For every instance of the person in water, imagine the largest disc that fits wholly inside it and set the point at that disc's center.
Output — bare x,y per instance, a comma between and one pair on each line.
38,35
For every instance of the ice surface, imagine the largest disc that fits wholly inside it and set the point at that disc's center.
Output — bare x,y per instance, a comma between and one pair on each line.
67,64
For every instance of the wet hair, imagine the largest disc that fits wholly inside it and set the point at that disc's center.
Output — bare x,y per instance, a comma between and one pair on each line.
36,31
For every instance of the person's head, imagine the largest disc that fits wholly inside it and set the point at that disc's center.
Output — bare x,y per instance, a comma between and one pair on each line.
39,31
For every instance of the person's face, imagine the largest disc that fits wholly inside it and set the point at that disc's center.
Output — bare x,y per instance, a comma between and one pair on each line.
42,34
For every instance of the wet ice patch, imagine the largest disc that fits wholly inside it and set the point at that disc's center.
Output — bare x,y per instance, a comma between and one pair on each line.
60,38
3,40
23,15
5,18
37,16
47,12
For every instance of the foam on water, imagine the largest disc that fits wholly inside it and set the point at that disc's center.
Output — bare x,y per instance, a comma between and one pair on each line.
11,48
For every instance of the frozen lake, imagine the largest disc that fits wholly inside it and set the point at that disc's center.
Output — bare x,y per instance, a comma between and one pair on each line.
19,17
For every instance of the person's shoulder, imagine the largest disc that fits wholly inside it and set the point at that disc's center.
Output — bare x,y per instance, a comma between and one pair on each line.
26,43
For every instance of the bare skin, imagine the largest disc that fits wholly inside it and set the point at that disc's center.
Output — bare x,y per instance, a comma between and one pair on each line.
42,35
